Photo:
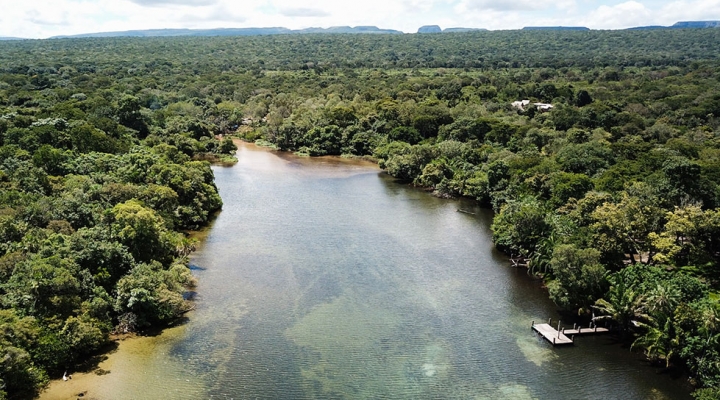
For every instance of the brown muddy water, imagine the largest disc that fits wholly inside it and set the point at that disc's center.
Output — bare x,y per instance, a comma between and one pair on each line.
325,279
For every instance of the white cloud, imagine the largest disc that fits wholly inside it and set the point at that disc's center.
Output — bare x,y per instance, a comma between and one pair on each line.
217,14
503,5
46,17
700,10
636,13
414,6
303,12
623,15
174,2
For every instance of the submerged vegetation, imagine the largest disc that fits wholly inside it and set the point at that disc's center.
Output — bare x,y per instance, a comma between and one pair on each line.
612,196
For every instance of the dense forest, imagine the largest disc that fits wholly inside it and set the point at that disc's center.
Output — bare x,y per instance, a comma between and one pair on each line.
612,196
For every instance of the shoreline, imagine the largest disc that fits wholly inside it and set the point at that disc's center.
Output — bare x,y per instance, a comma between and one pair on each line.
121,371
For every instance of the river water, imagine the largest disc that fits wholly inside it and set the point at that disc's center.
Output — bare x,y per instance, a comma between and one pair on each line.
325,279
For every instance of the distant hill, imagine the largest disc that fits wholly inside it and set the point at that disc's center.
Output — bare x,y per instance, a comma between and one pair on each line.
455,30
649,27
681,25
436,29
555,28
697,24
429,29
346,29
232,32
10,38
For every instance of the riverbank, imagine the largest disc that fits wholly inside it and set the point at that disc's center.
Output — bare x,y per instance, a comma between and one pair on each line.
122,368
323,278
125,370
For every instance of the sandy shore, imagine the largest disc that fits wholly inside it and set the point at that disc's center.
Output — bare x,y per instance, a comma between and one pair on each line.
124,373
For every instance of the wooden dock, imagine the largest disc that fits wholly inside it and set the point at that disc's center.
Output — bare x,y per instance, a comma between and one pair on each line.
551,334
561,336
585,331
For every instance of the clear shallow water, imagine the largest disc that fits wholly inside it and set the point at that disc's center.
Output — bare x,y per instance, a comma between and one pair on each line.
324,279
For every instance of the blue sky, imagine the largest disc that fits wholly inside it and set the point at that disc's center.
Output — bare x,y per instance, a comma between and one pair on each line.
44,18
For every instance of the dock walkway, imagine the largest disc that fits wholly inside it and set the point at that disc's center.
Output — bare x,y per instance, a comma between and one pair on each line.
564,336
551,334
585,331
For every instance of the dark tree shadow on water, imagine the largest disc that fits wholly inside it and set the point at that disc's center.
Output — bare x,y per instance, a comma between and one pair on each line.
158,330
195,267
92,363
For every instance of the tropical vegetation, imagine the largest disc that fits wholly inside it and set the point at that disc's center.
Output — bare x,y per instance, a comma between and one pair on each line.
612,196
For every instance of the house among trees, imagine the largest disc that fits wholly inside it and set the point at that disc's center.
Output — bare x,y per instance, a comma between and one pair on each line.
520,105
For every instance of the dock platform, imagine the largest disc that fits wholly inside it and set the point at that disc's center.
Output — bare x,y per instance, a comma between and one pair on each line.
551,334
561,336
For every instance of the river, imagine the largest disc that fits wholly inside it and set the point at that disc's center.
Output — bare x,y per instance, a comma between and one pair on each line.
325,279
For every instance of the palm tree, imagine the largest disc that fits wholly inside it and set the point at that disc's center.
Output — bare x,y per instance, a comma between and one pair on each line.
662,300
660,341
706,363
710,321
539,262
622,304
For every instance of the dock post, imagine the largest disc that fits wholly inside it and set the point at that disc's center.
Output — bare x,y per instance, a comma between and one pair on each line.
553,341
558,329
575,325
549,321
596,328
